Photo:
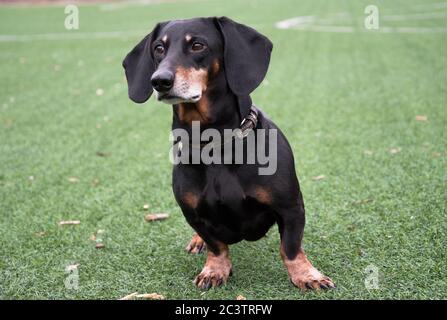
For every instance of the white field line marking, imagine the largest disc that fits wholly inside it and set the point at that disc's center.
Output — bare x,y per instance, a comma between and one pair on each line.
128,4
72,36
416,16
307,23
121,35
437,5
311,20
412,30
310,23
318,28
135,2
348,29
294,22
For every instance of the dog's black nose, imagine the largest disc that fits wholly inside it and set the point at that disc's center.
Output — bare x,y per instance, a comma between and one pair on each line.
162,81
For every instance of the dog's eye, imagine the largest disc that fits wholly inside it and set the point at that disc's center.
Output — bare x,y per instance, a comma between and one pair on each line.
159,49
197,46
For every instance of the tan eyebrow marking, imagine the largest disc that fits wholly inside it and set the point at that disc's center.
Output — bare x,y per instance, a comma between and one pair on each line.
188,37
165,38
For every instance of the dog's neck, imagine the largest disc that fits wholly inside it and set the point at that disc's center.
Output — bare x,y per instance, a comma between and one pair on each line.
218,108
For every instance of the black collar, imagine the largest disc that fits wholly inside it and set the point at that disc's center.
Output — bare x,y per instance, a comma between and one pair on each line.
249,123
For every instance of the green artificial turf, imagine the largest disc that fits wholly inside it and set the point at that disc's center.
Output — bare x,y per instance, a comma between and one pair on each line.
344,100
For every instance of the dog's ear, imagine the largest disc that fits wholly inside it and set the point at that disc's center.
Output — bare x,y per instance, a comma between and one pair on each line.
246,55
139,67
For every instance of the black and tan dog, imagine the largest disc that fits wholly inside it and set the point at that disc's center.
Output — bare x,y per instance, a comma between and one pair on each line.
207,68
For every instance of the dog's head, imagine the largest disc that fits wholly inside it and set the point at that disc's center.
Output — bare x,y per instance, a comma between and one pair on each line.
179,60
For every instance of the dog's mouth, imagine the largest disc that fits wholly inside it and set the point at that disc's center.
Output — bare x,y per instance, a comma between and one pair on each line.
174,99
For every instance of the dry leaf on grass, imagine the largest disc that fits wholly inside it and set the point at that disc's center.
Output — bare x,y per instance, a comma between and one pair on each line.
395,150
40,234
73,179
156,216
421,118
320,177
368,152
363,201
102,154
8,123
240,297
151,296
72,267
136,295
69,222
129,296
100,245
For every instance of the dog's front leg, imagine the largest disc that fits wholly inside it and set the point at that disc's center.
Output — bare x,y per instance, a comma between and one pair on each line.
301,272
217,268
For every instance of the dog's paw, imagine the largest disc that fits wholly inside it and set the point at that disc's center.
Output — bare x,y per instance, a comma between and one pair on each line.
196,245
303,274
312,280
212,277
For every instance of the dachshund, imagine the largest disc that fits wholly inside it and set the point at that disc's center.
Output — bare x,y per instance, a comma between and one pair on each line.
206,69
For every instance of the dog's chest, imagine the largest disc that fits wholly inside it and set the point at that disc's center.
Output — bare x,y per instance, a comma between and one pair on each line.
228,211
222,188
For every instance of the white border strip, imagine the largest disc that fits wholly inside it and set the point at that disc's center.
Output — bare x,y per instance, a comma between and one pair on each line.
310,23
72,36
416,16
